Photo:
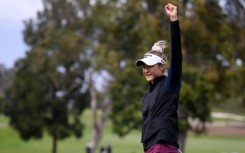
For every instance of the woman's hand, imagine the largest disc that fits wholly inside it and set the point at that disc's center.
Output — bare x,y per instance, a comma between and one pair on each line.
171,10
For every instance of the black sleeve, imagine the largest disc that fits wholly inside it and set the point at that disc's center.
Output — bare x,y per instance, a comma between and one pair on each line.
173,80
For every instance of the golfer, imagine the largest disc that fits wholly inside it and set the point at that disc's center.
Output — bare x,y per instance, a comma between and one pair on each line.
160,101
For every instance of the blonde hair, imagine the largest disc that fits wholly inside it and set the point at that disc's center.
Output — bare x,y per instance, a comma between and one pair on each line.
160,52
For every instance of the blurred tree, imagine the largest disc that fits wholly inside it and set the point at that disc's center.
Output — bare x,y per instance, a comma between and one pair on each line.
210,42
235,10
49,90
73,44
6,76
231,58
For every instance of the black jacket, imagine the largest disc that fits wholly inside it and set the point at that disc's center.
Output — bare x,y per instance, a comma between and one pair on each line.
160,102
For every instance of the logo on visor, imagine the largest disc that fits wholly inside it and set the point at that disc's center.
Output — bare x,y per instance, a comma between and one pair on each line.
147,55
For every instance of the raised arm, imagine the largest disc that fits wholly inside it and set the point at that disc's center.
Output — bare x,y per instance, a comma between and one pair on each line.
173,81
171,10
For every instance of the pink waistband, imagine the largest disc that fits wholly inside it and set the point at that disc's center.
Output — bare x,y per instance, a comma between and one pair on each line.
162,148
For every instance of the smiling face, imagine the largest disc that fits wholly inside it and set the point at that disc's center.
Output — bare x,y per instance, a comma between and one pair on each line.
152,72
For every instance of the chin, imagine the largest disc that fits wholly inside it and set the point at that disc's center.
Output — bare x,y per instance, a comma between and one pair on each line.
149,79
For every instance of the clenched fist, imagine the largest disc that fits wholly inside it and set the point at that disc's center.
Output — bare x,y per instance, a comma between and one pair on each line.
171,10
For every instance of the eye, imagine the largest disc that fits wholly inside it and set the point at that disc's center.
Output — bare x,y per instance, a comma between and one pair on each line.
147,66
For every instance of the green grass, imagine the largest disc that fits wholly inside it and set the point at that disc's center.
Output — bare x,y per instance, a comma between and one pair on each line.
11,143
225,120
215,144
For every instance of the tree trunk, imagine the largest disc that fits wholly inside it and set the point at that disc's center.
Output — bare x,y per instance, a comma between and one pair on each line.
54,149
96,131
97,125
183,126
182,141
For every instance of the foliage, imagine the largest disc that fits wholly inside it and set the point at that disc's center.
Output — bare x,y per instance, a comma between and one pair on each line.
125,112
48,91
6,76
211,46
70,38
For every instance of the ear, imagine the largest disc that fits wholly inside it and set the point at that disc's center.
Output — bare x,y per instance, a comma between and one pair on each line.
162,67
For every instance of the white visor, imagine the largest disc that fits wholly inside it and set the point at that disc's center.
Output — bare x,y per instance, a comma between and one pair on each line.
150,60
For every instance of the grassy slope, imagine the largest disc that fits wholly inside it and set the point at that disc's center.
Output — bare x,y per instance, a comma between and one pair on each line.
212,144
11,143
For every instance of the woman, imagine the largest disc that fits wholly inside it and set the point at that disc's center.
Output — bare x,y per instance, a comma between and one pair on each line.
160,102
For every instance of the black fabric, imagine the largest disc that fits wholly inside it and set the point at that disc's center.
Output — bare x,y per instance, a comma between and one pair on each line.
160,102
160,116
